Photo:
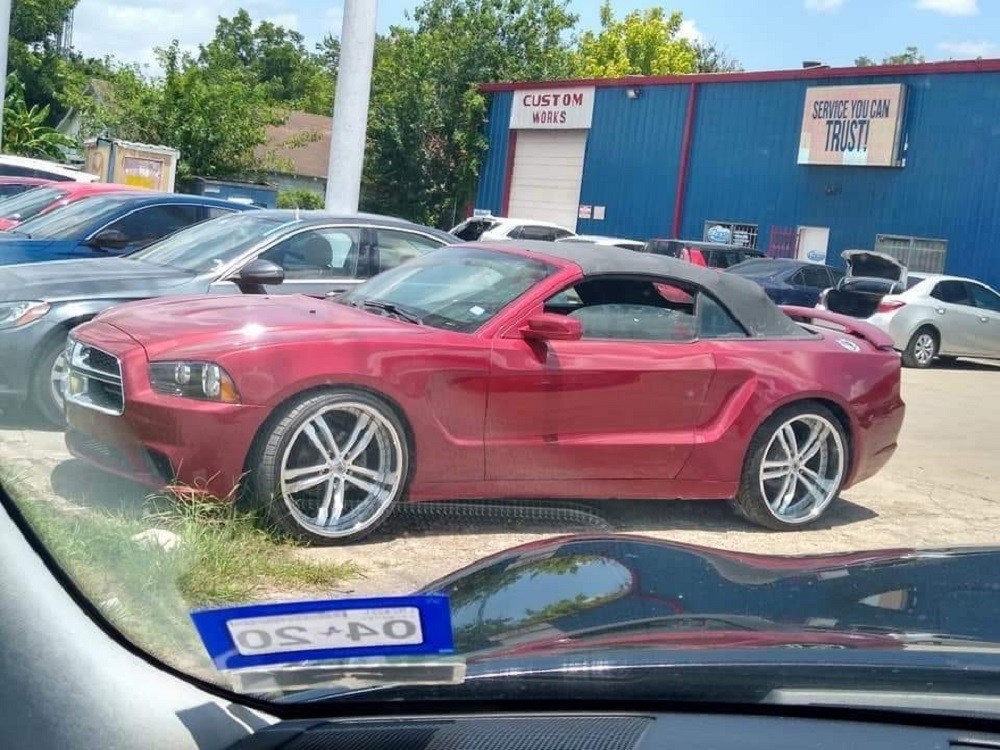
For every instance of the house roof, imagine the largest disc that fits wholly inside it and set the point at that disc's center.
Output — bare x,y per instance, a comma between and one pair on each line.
310,157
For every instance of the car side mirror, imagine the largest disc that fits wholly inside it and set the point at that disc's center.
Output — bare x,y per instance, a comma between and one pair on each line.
260,272
552,327
108,239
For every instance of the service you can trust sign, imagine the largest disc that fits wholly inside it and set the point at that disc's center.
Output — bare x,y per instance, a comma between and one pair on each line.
552,109
852,125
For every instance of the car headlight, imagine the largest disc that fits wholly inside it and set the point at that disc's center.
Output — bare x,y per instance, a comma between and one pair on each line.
204,380
15,314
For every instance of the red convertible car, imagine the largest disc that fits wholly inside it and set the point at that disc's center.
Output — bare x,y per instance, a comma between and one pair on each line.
503,370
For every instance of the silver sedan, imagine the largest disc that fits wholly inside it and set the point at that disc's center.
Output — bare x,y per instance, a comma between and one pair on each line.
934,316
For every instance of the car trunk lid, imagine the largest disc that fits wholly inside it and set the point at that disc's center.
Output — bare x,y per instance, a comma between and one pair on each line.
870,277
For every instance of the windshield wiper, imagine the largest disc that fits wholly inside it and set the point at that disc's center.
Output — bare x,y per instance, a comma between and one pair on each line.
393,309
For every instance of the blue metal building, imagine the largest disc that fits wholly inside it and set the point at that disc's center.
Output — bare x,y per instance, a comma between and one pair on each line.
690,156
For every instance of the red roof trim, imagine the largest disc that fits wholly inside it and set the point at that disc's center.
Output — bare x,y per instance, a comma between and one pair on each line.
951,66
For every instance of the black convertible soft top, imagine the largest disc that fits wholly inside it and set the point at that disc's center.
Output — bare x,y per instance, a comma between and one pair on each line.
744,299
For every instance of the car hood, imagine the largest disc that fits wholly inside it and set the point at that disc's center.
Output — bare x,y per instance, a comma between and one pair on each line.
91,278
221,323
601,593
871,265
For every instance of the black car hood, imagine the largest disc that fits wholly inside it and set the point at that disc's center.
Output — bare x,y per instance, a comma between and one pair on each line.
88,279
607,593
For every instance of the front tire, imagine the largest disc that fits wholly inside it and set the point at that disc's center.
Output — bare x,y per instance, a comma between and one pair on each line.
921,349
795,466
331,467
47,382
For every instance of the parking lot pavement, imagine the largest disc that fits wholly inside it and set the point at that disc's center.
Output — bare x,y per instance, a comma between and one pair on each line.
938,491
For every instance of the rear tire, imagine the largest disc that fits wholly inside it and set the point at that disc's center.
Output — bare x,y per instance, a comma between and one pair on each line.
46,382
795,466
922,348
331,467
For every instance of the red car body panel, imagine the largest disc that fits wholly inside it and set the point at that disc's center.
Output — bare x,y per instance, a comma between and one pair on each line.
490,414
70,193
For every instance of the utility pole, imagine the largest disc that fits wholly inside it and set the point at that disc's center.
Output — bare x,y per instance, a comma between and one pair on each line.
5,10
350,106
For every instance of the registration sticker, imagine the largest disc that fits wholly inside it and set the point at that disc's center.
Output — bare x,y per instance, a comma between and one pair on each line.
297,632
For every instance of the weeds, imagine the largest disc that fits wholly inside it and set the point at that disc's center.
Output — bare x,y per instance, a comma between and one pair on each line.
224,556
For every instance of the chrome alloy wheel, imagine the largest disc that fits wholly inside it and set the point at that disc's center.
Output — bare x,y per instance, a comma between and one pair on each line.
57,378
802,469
342,469
923,348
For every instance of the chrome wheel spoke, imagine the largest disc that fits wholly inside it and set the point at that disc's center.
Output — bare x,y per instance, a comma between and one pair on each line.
774,470
788,442
360,439
813,443
308,482
309,429
324,509
324,432
374,487
787,492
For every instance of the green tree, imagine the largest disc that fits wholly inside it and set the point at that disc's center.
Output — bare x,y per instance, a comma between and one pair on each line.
641,43
910,56
273,56
304,199
426,114
711,58
25,131
214,115
46,73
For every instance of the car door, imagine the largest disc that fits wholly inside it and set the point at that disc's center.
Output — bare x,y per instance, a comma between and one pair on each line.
956,317
395,246
807,283
621,403
320,260
988,308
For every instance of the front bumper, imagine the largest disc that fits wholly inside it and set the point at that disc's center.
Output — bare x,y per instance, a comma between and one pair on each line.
18,351
160,439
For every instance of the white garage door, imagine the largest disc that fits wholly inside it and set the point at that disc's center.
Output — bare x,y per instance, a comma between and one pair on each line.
548,168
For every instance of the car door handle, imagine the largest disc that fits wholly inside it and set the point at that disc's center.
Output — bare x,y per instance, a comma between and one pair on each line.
939,310
984,320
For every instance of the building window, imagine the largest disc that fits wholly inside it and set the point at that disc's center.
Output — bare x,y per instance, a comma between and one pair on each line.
916,253
730,233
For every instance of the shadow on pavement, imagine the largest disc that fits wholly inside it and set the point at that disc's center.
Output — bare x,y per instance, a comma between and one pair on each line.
13,417
969,365
86,485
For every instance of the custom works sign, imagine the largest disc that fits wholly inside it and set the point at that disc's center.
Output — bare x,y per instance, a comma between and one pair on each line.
552,109
852,125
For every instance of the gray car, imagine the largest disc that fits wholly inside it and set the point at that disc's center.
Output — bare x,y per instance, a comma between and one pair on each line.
928,315
273,252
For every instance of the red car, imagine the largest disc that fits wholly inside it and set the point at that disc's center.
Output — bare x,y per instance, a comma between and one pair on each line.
11,186
487,371
50,196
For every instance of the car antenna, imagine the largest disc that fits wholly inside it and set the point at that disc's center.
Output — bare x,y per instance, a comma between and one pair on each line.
296,213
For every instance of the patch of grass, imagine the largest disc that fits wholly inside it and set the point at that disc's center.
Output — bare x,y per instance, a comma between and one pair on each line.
224,557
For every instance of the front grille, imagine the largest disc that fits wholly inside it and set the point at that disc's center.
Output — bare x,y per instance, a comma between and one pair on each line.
95,379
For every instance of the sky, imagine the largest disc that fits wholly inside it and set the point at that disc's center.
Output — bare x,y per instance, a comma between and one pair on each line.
789,32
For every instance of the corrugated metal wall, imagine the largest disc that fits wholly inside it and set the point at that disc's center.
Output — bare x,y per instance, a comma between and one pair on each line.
743,166
633,152
491,176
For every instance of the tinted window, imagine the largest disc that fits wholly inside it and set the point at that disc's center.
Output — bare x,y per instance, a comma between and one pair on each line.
548,234
28,204
330,253
396,247
214,212
472,229
815,277
70,222
558,233
984,298
149,224
11,189
954,292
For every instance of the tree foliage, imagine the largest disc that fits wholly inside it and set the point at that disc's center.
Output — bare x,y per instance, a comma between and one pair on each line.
424,127
711,58
307,200
642,43
25,131
910,56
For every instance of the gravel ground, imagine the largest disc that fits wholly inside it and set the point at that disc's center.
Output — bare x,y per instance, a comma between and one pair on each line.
938,491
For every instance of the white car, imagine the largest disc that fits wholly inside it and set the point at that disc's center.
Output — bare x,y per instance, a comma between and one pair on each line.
503,228
22,166
602,241
927,315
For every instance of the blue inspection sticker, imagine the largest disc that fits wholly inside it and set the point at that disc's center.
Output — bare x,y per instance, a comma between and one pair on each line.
257,635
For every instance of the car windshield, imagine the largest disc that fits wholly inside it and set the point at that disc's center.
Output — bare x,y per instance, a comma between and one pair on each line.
522,322
73,220
453,289
206,247
25,205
